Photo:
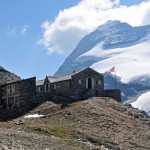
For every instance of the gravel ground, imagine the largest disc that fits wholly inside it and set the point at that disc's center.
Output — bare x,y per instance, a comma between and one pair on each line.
83,125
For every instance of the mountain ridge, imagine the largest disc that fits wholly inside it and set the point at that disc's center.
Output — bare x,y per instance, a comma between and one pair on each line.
113,34
7,76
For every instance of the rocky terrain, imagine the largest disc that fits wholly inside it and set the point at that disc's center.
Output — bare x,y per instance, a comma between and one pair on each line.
93,124
6,76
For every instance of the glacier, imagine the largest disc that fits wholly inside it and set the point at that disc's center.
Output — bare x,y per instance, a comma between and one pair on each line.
130,62
143,102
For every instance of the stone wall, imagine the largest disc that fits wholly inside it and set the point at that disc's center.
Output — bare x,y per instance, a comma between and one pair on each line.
80,89
43,96
113,93
0,95
61,88
37,88
27,91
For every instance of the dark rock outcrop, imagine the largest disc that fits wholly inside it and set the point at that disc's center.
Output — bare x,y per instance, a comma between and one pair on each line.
6,76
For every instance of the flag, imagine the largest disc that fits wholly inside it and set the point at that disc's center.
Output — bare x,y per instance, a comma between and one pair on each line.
112,69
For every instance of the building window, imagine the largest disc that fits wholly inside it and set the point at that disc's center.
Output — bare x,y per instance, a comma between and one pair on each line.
98,82
10,89
55,86
41,89
46,87
3,91
80,81
16,88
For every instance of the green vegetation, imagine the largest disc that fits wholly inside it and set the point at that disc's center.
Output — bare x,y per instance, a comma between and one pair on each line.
54,130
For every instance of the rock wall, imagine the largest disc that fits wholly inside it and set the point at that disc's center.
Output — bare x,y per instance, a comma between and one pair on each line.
42,96
62,88
113,93
27,91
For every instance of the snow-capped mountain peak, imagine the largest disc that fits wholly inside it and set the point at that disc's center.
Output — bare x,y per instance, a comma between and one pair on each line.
117,44
113,34
113,24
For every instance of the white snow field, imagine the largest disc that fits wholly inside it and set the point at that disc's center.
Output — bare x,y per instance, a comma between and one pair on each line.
143,102
129,62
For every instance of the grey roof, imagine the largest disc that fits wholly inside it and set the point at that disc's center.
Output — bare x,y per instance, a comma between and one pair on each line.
61,78
39,82
53,79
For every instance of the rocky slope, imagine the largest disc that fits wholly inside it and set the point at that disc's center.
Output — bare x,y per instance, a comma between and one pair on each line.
6,76
84,125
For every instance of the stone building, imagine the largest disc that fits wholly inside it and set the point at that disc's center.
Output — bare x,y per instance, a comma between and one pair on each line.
18,93
39,86
75,84
44,85
82,84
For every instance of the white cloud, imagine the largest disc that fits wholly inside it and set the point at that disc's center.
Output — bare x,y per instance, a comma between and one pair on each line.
72,24
11,31
17,30
24,29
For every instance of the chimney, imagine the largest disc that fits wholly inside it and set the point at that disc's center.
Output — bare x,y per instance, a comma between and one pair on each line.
73,71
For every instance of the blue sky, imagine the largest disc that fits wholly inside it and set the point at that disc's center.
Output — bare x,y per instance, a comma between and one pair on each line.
130,2
20,31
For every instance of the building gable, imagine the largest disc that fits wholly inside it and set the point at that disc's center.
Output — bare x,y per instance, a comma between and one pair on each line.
89,70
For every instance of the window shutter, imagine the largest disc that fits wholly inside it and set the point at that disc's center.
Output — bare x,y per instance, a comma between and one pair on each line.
92,83
86,83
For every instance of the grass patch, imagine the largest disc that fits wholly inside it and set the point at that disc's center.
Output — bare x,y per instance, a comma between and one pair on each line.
57,131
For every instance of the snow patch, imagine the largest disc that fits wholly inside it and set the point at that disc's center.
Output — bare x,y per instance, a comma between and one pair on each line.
143,102
33,116
130,61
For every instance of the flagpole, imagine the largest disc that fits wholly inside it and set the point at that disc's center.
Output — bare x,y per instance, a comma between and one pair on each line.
115,77
113,69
